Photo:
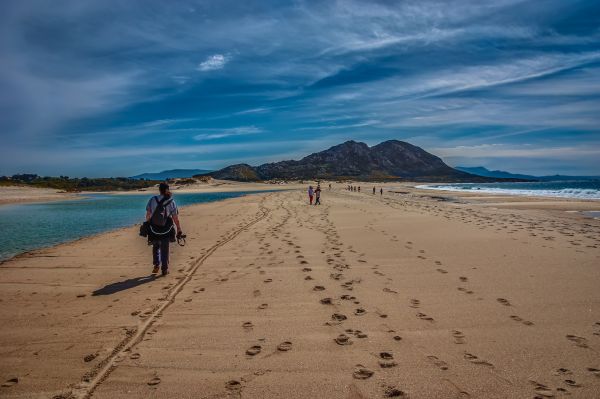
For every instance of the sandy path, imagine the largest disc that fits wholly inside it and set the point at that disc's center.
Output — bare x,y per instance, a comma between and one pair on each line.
431,299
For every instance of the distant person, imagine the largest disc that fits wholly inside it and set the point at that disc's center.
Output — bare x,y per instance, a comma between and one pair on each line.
329,186
359,189
381,191
311,193
318,196
161,213
373,190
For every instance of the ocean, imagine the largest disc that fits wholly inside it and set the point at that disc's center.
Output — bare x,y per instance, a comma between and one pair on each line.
31,226
584,189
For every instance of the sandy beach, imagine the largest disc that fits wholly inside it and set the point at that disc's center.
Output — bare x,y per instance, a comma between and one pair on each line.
413,294
23,194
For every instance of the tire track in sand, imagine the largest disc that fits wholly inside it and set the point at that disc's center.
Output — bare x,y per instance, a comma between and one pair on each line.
92,379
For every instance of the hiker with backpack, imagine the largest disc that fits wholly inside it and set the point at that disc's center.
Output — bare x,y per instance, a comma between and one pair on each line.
161,214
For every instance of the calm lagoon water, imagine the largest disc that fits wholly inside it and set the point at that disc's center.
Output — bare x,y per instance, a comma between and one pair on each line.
30,226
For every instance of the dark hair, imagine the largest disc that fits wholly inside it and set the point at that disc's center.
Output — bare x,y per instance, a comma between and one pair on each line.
163,188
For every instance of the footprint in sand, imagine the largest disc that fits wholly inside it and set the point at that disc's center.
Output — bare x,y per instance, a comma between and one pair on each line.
390,291
307,269
263,306
357,333
359,312
326,301
268,280
562,371
542,390
459,337
503,301
361,372
154,381
308,278
393,392
572,383
475,360
90,357
135,356
253,350
284,346
463,279
579,341
318,288
198,290
415,303
233,385
442,365
338,317
386,360
443,271
343,339
423,316
256,293
466,291
247,325
594,371
10,382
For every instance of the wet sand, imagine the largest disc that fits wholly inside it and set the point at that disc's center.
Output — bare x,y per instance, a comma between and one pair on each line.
413,294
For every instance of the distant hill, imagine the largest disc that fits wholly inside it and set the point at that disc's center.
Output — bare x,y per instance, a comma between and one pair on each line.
170,174
390,160
481,171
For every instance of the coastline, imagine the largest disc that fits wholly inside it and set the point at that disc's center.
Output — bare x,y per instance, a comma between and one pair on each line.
431,272
11,195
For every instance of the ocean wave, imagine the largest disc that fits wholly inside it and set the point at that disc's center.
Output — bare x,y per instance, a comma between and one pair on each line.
567,192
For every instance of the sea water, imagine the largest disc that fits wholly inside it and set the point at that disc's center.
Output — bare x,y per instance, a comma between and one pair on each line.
584,189
25,227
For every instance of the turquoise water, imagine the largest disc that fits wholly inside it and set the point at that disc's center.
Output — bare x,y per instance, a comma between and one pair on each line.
31,226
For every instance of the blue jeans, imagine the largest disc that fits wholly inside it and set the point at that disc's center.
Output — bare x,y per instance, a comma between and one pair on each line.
160,253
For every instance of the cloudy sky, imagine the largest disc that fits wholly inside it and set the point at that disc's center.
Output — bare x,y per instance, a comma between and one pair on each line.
115,88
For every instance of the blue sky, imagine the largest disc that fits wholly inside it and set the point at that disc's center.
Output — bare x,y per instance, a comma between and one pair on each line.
114,88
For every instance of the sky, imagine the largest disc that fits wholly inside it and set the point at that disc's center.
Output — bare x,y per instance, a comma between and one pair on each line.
117,88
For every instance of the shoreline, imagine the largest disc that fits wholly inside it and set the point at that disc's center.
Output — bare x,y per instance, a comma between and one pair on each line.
31,252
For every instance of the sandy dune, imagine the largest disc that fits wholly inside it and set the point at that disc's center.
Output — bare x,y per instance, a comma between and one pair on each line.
366,296
20,194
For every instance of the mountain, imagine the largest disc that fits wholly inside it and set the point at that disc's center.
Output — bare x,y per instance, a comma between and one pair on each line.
170,174
391,160
481,171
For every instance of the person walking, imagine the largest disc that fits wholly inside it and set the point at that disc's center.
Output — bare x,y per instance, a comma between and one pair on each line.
162,213
318,196
373,190
381,191
311,193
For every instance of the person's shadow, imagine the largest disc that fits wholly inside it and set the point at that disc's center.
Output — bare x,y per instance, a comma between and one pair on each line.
123,285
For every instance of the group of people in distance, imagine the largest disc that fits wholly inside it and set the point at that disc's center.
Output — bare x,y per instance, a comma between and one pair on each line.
357,188
315,194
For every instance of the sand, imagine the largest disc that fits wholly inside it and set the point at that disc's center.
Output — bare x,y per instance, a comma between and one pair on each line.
22,194
366,296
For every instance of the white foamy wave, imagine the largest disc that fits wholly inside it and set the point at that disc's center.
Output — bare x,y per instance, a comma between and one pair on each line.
562,193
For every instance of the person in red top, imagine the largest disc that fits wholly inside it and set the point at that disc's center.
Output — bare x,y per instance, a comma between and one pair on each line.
310,194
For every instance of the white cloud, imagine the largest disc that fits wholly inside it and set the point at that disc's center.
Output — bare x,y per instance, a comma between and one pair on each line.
212,134
214,62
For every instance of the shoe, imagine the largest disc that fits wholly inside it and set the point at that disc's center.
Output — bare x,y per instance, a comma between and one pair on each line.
165,272
155,270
